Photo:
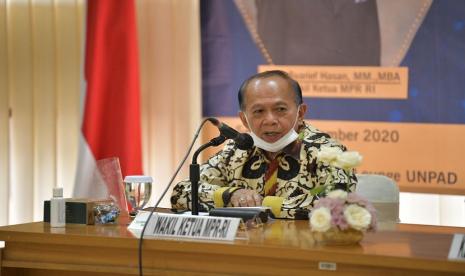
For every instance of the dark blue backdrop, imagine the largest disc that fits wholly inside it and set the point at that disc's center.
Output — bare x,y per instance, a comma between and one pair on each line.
436,62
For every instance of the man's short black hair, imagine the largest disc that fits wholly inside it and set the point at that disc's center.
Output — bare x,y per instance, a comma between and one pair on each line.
263,75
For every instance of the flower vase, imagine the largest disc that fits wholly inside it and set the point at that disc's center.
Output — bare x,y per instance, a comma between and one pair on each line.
338,237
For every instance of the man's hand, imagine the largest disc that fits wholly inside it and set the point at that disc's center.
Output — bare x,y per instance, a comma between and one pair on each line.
246,198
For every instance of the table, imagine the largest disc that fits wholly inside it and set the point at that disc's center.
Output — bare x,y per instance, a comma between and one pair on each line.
283,247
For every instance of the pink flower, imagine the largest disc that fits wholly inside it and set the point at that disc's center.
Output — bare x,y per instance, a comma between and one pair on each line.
329,203
357,199
339,221
337,206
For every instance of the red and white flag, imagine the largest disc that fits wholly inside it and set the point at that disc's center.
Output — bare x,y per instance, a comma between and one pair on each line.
111,121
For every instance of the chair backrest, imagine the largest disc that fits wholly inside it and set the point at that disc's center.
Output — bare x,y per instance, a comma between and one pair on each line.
383,193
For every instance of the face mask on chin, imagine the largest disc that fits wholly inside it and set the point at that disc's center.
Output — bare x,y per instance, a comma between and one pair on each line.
290,137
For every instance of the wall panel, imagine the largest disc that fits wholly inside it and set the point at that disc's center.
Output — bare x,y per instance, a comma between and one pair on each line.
4,116
21,102
40,62
68,80
44,100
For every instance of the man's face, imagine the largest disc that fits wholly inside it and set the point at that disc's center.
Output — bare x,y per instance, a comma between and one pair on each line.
270,107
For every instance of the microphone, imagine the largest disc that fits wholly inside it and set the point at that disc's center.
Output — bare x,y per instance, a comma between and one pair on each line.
243,140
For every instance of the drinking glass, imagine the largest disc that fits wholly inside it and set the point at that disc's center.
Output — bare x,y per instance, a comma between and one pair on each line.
138,189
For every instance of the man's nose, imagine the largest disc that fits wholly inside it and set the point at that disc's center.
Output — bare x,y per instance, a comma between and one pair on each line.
270,118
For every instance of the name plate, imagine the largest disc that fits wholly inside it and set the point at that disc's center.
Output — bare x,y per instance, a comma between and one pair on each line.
138,222
457,248
188,226
361,82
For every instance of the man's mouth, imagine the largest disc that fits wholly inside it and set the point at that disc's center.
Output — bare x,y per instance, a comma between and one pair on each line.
271,135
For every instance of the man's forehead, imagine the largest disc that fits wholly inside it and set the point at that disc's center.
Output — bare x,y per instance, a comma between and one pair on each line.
273,82
279,86
259,103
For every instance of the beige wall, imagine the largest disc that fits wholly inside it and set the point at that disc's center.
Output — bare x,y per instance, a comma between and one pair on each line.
4,131
40,80
169,43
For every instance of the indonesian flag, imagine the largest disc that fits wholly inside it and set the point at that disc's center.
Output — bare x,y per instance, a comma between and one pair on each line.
111,121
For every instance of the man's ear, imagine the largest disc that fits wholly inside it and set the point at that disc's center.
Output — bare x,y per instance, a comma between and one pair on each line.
301,115
244,120
302,111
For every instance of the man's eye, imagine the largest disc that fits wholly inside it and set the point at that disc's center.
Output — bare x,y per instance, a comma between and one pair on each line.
282,109
258,111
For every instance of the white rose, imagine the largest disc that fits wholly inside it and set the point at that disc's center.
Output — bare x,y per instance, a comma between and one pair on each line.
328,154
341,194
347,160
320,219
357,217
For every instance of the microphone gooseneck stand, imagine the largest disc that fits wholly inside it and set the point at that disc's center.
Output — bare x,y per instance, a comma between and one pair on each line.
141,238
194,172
244,140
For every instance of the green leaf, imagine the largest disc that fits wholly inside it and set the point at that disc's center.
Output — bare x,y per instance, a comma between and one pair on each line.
317,190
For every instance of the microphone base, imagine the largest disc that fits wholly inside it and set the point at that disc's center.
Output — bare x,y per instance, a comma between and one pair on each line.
245,213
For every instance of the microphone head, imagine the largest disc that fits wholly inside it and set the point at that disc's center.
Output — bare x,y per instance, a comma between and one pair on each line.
214,121
244,141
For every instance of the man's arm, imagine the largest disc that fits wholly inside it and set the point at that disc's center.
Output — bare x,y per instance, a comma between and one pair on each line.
214,187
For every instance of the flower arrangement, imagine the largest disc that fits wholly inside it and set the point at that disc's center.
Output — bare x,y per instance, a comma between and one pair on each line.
342,217
334,156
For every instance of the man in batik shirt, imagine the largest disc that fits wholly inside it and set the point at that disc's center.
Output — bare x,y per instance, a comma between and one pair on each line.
281,171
